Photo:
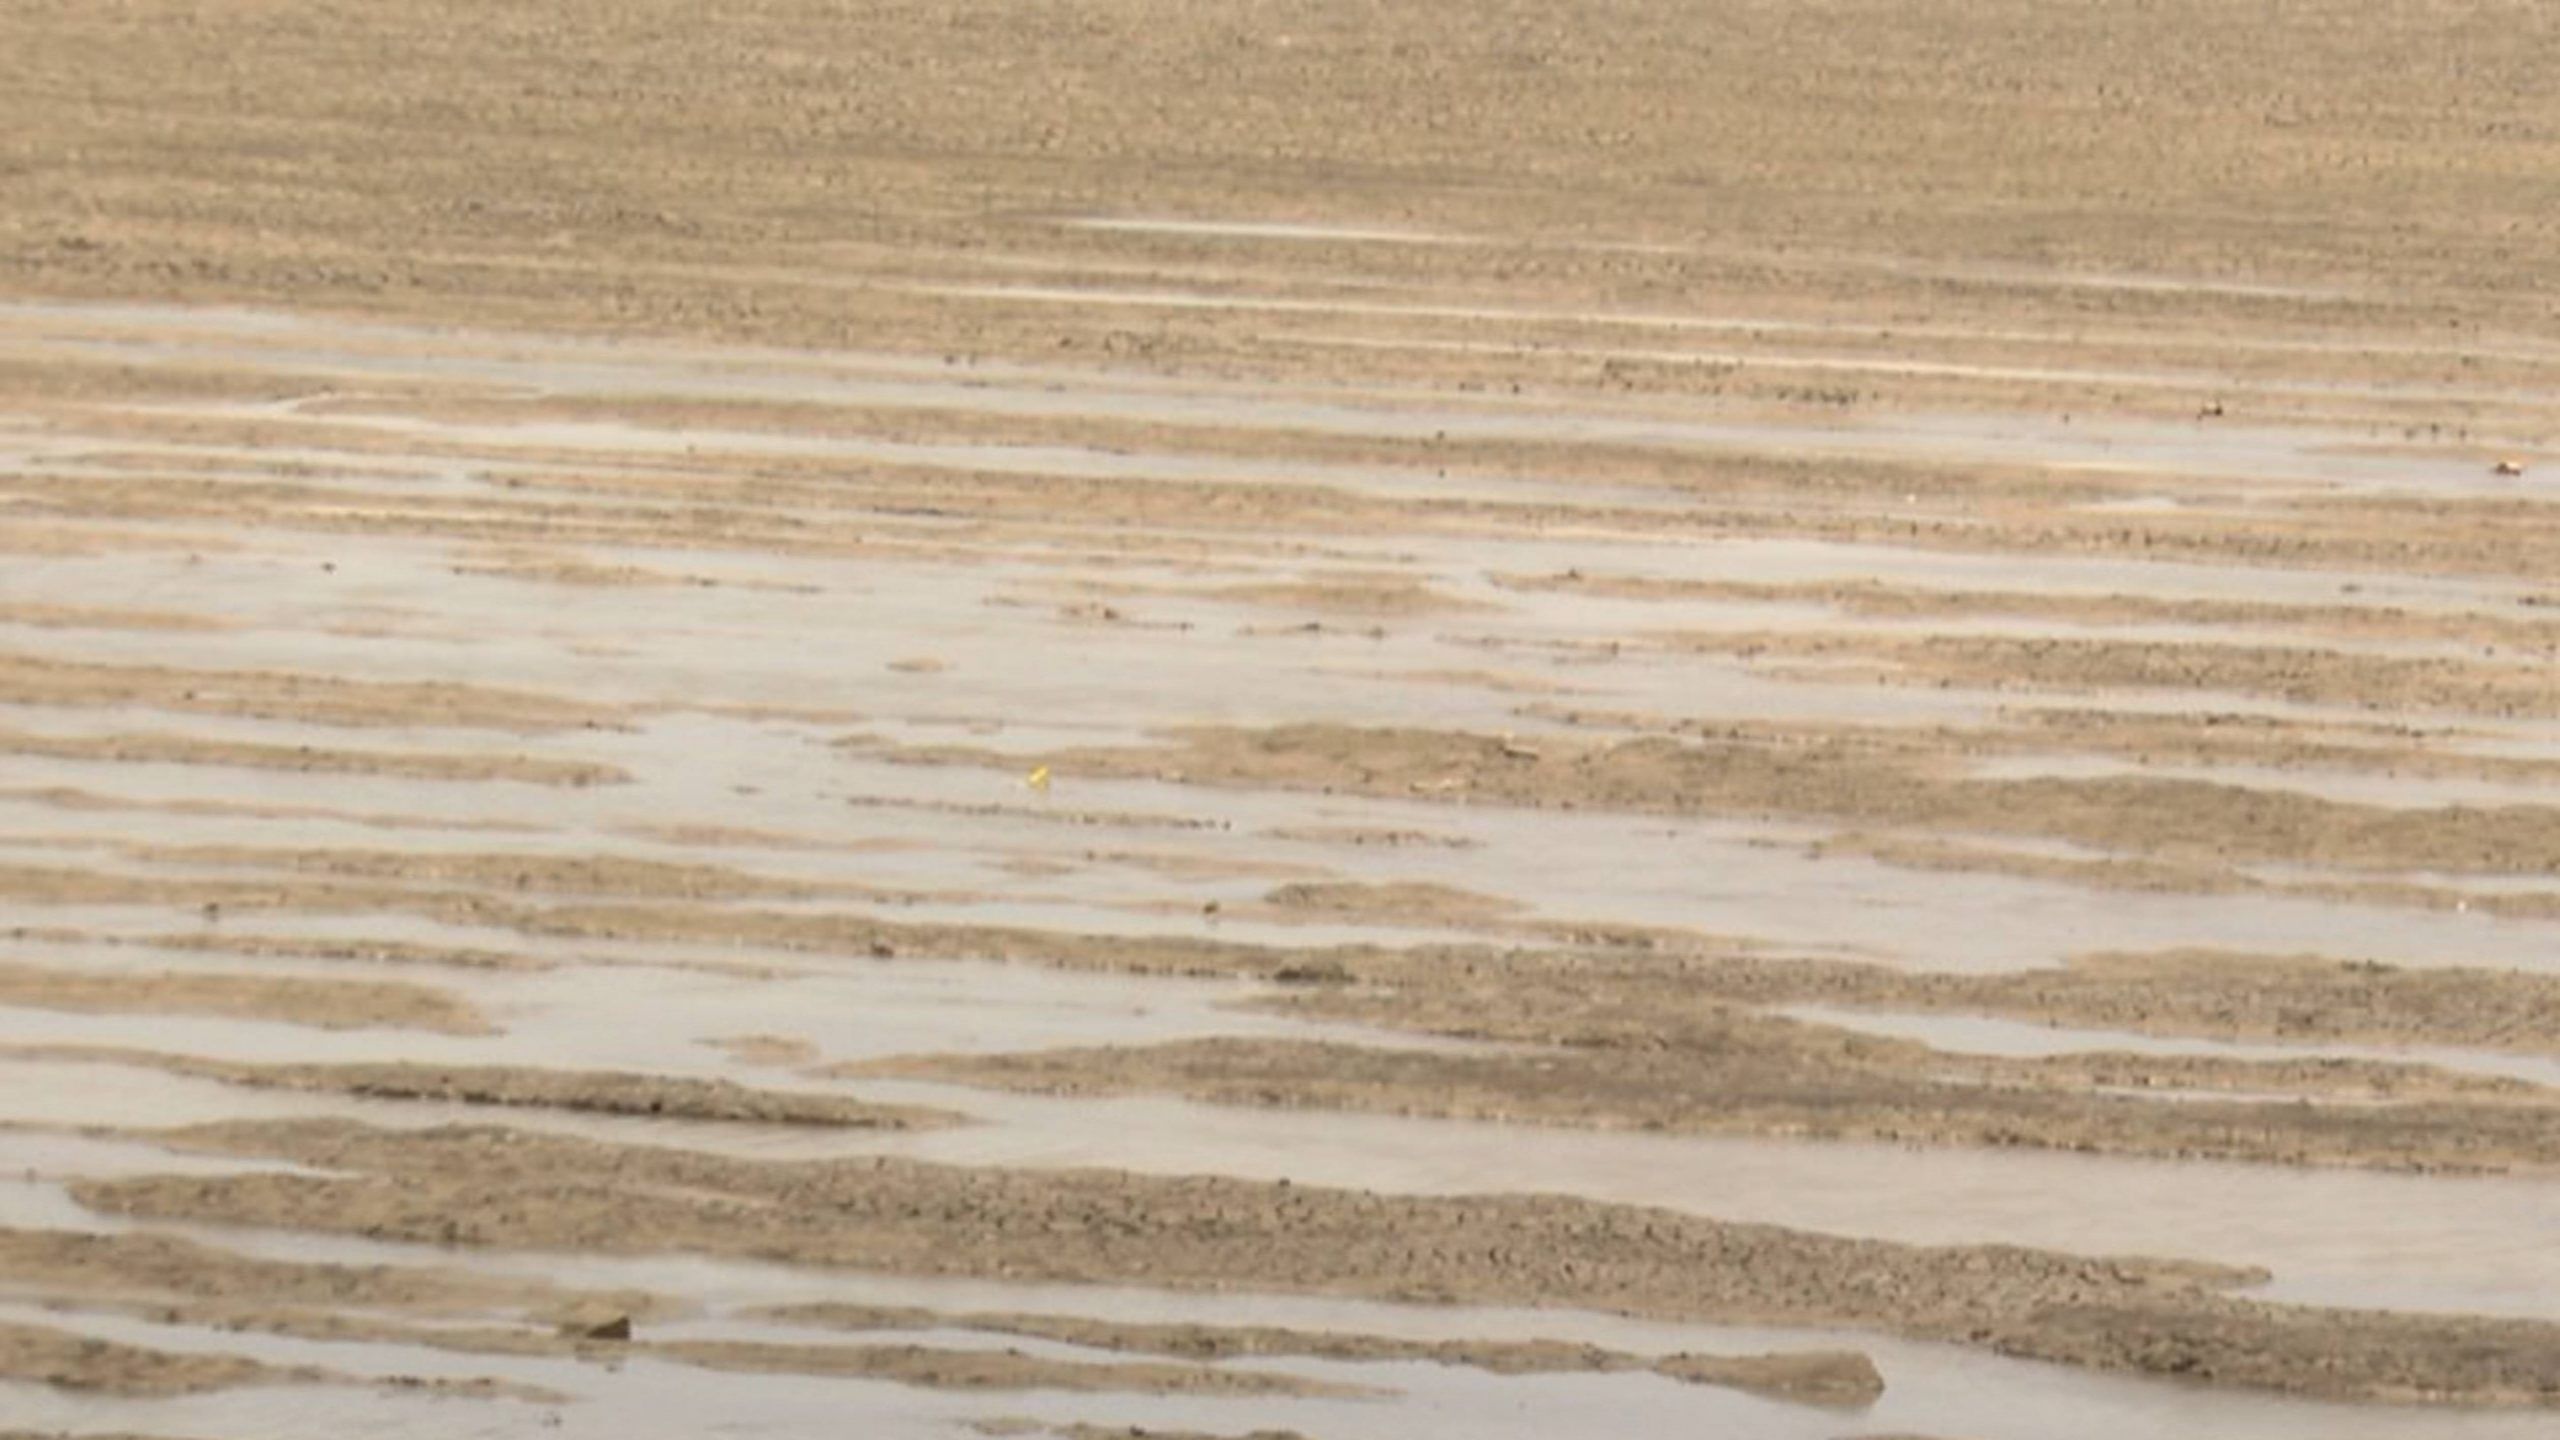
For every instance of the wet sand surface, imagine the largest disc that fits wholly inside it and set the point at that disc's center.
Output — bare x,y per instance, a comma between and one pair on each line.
1694,735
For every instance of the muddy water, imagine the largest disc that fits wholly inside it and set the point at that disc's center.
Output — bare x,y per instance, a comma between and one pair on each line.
2335,1237
723,675
2309,458
1992,1035
1761,880
1930,1390
649,1399
579,440
664,1017
1716,878
2368,1240
2400,791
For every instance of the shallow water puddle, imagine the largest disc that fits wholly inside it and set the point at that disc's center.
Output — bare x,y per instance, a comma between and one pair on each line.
723,680
2333,1237
663,1019
1994,1035
1929,1389
2399,791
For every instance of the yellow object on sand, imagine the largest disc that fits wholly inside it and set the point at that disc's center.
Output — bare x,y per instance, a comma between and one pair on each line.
1038,779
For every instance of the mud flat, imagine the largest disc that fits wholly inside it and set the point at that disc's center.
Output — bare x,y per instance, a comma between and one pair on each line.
1806,721
2109,1313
